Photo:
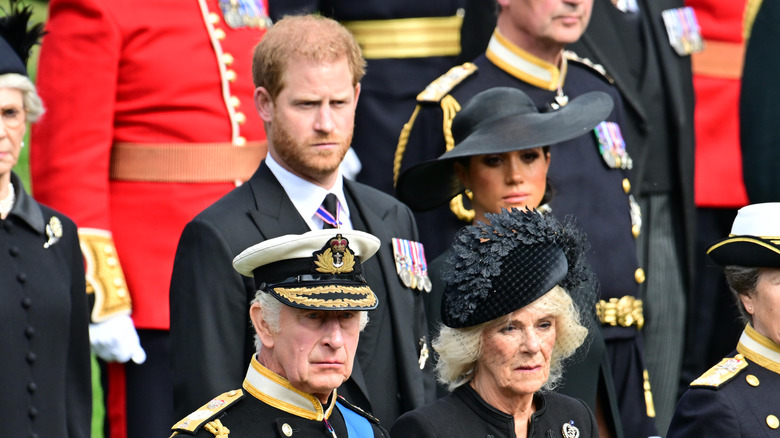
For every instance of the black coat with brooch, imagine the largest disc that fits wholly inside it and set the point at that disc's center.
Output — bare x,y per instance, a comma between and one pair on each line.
45,378
465,414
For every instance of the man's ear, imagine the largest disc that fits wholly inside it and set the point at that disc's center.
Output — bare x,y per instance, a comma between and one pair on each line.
264,104
262,328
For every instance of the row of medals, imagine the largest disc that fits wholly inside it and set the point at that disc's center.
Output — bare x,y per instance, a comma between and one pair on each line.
245,13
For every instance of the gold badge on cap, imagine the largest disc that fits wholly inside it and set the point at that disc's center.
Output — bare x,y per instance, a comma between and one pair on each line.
335,257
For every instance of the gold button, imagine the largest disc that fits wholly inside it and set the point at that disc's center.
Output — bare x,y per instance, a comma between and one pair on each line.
111,261
117,281
227,58
230,75
240,118
752,380
739,357
219,34
108,249
121,292
286,429
213,18
772,422
639,276
626,185
635,230
234,101
240,141
231,393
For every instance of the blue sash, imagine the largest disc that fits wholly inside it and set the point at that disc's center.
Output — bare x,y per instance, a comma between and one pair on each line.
357,425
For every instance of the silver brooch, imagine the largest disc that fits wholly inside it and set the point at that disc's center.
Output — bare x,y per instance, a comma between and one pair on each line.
54,231
570,431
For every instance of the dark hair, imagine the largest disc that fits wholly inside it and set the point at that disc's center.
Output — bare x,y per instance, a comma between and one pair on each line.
742,281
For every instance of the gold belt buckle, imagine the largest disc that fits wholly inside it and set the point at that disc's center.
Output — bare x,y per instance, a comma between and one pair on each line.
625,312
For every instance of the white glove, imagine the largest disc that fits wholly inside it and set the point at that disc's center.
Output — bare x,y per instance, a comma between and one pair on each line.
115,340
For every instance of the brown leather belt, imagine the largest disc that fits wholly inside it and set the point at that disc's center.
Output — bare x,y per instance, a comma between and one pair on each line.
625,312
720,59
185,162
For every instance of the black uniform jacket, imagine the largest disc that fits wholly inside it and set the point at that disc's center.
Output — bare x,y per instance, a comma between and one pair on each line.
412,59
45,378
269,406
739,397
465,414
211,336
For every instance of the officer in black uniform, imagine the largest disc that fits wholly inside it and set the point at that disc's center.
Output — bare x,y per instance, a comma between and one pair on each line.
740,396
311,304
589,176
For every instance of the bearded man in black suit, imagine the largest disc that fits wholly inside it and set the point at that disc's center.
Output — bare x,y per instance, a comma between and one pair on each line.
307,71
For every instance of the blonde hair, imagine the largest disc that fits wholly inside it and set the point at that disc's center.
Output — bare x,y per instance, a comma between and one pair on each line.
314,38
459,349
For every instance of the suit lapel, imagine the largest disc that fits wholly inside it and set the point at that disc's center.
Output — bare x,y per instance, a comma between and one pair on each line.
273,212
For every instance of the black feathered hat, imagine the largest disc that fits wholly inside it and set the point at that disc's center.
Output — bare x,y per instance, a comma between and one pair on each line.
498,267
17,38
495,121
754,241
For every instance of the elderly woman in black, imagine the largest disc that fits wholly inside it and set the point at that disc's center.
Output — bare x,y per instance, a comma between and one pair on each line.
45,378
740,396
517,304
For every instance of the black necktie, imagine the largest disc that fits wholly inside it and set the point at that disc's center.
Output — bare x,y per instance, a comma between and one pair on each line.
331,205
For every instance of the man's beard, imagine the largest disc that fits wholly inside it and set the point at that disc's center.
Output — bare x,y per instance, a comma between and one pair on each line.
303,158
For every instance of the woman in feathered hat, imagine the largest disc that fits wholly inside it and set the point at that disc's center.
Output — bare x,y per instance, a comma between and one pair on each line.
518,302
46,389
740,396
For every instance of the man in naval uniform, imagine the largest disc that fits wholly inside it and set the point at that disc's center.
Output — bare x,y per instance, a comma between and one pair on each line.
589,176
307,70
311,304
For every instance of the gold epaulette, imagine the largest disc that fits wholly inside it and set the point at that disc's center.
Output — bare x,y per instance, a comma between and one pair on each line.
441,86
598,68
721,373
104,275
204,417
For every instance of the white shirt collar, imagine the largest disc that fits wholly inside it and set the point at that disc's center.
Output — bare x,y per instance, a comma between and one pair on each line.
307,196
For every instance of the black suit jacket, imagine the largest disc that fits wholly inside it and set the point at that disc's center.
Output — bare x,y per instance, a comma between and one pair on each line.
212,338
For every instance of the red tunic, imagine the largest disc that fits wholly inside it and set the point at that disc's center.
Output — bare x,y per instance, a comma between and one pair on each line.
718,163
138,72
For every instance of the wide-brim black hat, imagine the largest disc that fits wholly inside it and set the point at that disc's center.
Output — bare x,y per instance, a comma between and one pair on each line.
498,267
496,121
754,240
319,270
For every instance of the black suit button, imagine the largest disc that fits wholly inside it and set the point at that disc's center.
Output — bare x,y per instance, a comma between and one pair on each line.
14,251
31,357
33,412
26,302
29,332
33,435
32,387
21,277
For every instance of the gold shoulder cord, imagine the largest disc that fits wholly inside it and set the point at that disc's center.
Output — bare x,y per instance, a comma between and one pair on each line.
751,9
403,139
104,275
216,428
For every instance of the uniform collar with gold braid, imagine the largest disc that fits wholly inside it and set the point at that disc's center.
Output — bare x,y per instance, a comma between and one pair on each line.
523,65
759,349
275,390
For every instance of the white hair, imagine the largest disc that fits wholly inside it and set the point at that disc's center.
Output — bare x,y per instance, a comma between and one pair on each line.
271,309
460,349
33,105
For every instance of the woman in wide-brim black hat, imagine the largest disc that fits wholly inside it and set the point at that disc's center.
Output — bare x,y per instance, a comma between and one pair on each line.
740,396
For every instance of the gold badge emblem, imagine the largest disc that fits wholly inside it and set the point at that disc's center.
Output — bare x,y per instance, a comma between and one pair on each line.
336,257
